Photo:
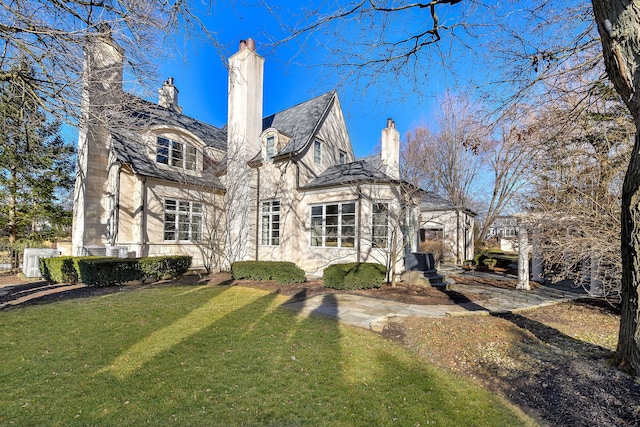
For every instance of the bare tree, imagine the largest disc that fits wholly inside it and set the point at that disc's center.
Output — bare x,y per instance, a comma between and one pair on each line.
576,189
443,155
619,28
52,35
507,157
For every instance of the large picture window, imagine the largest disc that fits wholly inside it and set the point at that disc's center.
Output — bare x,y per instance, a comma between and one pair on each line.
271,223
182,220
333,225
176,154
380,225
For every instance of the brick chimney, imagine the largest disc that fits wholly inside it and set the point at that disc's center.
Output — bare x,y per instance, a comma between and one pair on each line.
390,153
168,96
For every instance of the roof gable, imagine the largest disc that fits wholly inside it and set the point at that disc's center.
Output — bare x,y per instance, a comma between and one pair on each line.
301,122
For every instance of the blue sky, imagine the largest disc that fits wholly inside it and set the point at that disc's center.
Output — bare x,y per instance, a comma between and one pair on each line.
201,77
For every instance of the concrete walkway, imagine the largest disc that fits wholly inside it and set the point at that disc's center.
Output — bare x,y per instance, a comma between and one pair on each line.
373,313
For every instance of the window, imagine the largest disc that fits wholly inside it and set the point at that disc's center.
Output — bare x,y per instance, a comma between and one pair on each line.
270,148
271,223
177,154
182,220
431,234
333,225
380,225
342,157
317,152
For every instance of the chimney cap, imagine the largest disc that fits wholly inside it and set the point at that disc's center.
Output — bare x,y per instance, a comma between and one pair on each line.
391,123
247,44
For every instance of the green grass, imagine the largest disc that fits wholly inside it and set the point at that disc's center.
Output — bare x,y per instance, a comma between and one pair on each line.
215,355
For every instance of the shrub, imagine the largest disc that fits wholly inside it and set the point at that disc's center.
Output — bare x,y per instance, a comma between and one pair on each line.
479,258
279,271
58,269
105,271
351,276
489,262
165,266
504,262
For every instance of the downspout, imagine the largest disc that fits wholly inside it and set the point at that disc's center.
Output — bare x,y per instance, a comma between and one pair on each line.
117,209
257,227
359,229
143,222
458,236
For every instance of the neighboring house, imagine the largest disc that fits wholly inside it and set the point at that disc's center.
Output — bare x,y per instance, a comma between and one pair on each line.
504,230
285,187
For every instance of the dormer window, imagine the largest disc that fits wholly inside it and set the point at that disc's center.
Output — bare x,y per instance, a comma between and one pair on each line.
317,152
176,154
270,147
342,157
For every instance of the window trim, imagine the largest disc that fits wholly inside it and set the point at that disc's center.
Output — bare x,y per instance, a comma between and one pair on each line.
341,220
173,226
270,139
317,151
270,214
385,226
179,159
342,157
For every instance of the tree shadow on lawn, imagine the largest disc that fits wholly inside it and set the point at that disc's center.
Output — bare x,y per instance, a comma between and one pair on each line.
569,381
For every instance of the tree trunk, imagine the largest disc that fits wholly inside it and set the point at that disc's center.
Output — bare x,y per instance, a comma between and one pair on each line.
619,26
628,351
13,203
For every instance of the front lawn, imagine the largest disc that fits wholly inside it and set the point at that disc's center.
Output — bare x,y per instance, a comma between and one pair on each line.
218,355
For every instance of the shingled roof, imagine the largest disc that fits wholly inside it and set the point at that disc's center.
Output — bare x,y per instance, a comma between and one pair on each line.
350,173
300,122
129,149
146,114
431,201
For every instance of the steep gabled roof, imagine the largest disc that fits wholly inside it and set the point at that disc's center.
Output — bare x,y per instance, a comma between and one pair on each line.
350,173
146,114
129,149
300,122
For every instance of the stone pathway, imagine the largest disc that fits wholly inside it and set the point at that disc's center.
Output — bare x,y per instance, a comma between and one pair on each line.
373,313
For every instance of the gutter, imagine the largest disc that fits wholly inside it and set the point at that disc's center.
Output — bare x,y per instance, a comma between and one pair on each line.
257,227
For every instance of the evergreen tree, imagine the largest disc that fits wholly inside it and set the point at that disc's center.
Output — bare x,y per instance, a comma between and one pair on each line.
36,164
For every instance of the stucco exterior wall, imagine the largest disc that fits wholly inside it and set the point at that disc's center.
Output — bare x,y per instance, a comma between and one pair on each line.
141,217
334,137
457,226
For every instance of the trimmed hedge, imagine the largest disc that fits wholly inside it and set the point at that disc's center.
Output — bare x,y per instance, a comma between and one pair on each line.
105,271
354,275
279,271
58,269
165,266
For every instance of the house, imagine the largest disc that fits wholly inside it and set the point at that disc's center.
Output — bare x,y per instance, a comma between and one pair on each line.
287,187
504,230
